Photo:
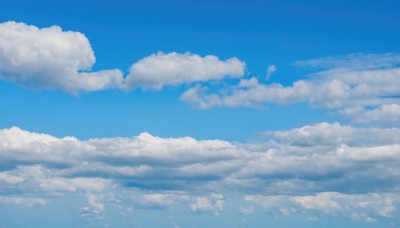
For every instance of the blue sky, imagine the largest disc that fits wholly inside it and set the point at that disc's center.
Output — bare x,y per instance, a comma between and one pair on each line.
199,113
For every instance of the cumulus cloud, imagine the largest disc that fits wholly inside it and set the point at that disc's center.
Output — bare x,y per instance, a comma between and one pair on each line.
362,87
158,70
252,93
156,200
94,206
49,58
333,134
213,205
322,167
365,207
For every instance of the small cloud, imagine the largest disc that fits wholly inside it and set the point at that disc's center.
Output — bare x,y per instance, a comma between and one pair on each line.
214,204
94,207
270,70
21,201
246,210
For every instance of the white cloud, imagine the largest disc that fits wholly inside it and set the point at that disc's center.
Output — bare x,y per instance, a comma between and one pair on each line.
321,201
332,202
294,159
158,70
251,93
73,184
365,207
344,165
355,61
246,210
270,70
363,87
386,113
153,199
21,201
49,58
212,205
94,207
333,134
10,179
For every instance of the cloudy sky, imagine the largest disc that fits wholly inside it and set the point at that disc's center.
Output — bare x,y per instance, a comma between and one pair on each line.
200,113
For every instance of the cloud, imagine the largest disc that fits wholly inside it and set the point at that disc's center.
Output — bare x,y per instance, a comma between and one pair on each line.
323,167
383,113
321,201
270,70
21,201
332,202
354,61
10,179
364,88
333,134
251,93
49,58
213,205
364,207
158,70
298,157
94,206
155,199
73,184
246,210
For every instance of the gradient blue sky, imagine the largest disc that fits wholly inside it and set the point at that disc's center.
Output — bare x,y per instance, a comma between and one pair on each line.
313,144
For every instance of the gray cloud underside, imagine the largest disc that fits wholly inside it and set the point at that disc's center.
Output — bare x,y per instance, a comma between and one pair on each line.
302,165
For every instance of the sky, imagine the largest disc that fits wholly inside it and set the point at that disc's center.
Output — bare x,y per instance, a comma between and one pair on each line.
200,113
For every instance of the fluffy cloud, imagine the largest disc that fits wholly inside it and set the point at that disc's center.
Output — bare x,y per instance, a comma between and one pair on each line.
251,93
333,202
213,205
295,157
362,87
50,58
364,207
322,167
161,69
94,206
326,134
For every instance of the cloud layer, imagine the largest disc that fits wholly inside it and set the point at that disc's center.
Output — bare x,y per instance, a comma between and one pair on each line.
321,167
